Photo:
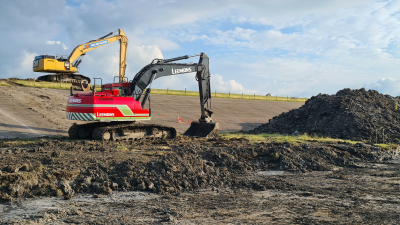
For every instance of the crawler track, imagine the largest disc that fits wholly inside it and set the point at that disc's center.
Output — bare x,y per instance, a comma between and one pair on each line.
79,81
120,131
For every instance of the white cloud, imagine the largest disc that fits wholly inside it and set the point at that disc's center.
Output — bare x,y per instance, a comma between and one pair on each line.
57,43
286,47
24,68
104,62
53,42
30,23
143,55
161,43
389,86
218,84
177,82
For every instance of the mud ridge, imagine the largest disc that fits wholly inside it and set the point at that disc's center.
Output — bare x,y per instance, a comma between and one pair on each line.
64,168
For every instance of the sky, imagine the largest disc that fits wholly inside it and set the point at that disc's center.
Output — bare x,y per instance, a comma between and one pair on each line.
285,48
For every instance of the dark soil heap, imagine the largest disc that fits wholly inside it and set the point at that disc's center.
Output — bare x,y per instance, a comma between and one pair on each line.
349,114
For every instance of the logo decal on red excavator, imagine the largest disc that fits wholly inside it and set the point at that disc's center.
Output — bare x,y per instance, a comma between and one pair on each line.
104,114
74,100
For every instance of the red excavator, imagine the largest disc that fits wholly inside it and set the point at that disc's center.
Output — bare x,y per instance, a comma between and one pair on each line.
116,109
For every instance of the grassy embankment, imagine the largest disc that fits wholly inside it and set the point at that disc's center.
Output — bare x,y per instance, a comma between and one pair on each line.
278,138
229,95
3,83
43,84
169,92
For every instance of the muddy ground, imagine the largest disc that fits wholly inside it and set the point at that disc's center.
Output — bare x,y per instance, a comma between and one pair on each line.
191,181
187,181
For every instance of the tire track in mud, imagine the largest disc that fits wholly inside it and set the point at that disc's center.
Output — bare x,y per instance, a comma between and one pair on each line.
29,112
24,125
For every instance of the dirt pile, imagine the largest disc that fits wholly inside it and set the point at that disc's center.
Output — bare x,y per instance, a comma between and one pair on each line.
349,114
63,168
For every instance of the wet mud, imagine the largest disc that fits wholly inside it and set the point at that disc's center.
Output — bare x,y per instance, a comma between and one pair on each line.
200,181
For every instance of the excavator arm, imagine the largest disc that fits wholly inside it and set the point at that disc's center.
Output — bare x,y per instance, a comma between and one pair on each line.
75,58
164,67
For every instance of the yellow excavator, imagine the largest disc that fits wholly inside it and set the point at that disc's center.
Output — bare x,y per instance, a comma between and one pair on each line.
65,68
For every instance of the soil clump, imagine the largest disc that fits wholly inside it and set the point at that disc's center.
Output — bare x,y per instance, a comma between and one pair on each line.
349,114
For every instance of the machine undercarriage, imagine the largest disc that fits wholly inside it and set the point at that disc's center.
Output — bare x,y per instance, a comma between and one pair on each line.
120,131
79,82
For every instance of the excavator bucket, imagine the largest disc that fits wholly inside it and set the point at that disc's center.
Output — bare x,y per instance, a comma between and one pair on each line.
202,130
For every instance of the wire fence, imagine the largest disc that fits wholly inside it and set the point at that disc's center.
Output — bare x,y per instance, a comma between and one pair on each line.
216,94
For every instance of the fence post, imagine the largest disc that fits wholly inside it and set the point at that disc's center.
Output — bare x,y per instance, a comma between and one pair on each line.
242,94
34,81
215,93
287,98
167,90
254,95
229,94
276,97
185,91
383,136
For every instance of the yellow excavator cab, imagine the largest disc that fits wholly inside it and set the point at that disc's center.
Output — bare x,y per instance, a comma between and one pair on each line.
51,64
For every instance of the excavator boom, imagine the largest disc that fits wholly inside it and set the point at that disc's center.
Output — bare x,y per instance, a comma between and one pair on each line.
65,68
75,57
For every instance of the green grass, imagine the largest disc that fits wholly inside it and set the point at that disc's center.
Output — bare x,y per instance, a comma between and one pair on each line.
387,146
42,84
35,140
278,138
24,141
228,95
3,83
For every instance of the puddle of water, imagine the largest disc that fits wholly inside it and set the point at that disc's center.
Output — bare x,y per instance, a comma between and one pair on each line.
22,208
271,173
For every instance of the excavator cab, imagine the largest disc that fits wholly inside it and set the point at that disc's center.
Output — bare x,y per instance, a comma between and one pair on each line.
116,89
